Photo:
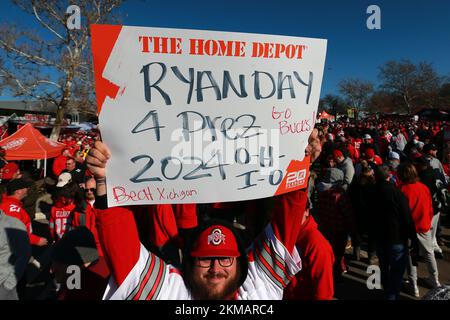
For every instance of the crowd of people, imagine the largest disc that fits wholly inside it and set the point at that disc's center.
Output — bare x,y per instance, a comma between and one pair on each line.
383,181
376,186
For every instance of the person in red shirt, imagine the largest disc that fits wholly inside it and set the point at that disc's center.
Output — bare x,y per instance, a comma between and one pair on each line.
59,164
9,171
208,253
16,191
370,155
84,212
383,144
315,280
353,152
60,214
421,205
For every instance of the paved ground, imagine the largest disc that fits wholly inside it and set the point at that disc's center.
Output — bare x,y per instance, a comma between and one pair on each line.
353,286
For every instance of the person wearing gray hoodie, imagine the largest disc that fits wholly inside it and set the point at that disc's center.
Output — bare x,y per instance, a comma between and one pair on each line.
15,253
346,165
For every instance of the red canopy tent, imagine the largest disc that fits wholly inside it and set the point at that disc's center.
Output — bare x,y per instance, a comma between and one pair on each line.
28,143
326,115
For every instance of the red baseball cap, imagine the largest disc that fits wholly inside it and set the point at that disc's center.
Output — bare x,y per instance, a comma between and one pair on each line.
216,241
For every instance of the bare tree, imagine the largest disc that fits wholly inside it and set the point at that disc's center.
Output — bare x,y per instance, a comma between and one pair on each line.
357,92
410,81
332,104
384,102
54,66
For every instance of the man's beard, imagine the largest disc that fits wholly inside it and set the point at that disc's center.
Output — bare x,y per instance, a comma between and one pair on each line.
199,292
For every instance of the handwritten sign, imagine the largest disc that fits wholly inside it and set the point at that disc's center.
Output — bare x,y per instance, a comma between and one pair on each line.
195,116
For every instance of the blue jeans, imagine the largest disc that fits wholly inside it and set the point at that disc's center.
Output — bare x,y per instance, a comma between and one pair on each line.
393,260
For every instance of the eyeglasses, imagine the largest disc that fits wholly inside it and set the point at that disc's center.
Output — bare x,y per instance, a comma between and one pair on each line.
90,189
207,262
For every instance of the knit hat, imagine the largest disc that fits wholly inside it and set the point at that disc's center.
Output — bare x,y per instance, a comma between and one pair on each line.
394,155
369,153
76,247
337,153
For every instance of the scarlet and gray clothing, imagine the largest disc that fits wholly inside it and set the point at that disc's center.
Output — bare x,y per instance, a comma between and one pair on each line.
59,220
140,275
14,208
421,205
14,254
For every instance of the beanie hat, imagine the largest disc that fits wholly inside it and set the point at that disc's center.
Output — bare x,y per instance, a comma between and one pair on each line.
76,247
394,155
337,154
369,153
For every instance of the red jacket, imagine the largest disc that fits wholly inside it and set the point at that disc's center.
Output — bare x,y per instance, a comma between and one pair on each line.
353,152
87,219
421,205
315,281
59,164
13,208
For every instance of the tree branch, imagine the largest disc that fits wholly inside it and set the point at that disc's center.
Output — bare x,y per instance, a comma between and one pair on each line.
36,59
46,25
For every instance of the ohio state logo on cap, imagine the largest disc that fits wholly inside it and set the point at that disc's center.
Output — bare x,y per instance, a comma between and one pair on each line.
216,237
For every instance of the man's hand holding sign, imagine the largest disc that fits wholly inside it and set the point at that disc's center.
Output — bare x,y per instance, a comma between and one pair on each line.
196,116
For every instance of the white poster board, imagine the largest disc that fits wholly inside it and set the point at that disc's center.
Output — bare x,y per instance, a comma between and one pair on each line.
196,116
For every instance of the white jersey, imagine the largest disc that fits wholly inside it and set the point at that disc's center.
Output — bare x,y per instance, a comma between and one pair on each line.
270,269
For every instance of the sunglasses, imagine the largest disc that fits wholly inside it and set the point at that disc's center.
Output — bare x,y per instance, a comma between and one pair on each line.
90,189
